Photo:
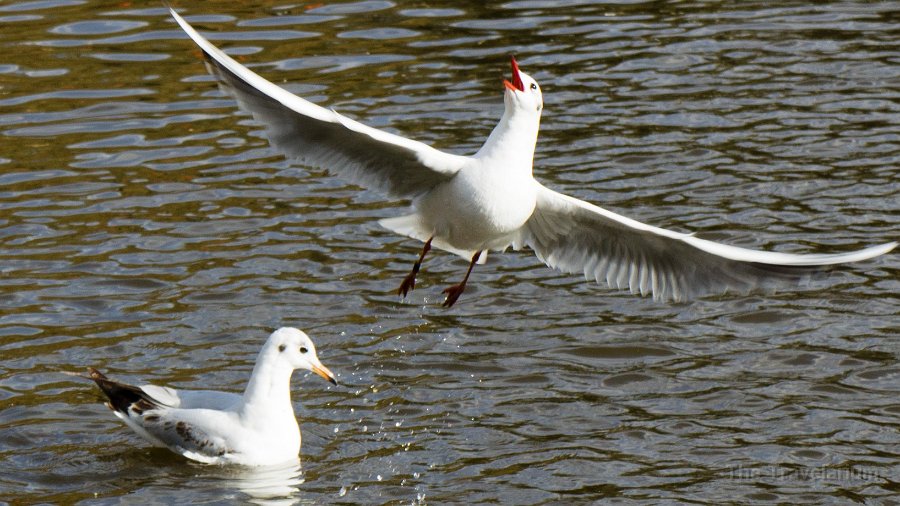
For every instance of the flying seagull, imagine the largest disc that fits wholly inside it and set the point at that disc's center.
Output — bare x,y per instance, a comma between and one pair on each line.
256,428
468,205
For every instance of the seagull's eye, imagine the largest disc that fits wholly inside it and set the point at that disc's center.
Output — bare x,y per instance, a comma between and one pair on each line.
303,349
533,86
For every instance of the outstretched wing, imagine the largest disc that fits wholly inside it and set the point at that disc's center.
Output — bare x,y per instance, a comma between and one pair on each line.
323,138
574,236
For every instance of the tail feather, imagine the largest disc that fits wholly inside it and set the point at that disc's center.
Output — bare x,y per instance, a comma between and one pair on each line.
411,226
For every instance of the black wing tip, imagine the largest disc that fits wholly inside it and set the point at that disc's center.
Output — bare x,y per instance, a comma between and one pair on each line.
122,396
96,375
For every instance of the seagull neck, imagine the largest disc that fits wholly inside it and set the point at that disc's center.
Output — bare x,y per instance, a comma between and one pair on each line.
270,384
514,138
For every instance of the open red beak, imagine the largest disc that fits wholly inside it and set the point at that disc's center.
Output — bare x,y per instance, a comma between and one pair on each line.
516,83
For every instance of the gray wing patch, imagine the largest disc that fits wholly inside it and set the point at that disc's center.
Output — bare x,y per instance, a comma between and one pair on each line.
182,436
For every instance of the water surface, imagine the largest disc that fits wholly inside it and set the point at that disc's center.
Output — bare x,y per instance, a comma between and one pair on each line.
147,229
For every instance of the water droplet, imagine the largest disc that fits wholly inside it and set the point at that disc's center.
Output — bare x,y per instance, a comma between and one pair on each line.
378,477
342,492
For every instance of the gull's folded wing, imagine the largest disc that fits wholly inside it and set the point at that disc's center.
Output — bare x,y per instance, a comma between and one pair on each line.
192,433
303,131
574,236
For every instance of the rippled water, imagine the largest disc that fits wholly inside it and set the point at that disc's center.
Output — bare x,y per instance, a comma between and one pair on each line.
147,229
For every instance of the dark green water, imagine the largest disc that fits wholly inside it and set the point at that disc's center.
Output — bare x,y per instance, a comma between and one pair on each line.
146,229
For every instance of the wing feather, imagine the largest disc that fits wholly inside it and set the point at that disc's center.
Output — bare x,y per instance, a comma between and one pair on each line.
192,399
574,236
320,137
191,433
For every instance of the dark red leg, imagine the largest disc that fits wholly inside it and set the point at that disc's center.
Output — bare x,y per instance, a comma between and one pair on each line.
455,291
409,282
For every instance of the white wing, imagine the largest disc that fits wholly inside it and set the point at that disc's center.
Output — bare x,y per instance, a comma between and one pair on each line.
323,138
192,399
199,434
574,236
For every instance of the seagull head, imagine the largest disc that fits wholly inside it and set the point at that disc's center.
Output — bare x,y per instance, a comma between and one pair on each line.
522,92
298,350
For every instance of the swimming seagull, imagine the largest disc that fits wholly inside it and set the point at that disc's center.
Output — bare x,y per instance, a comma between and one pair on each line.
468,205
256,428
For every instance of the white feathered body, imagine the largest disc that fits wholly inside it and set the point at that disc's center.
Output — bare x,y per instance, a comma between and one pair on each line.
486,203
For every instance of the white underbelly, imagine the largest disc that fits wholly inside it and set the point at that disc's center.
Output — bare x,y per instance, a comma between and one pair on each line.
479,211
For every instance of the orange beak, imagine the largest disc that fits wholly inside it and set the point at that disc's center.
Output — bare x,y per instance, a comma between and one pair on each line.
323,371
